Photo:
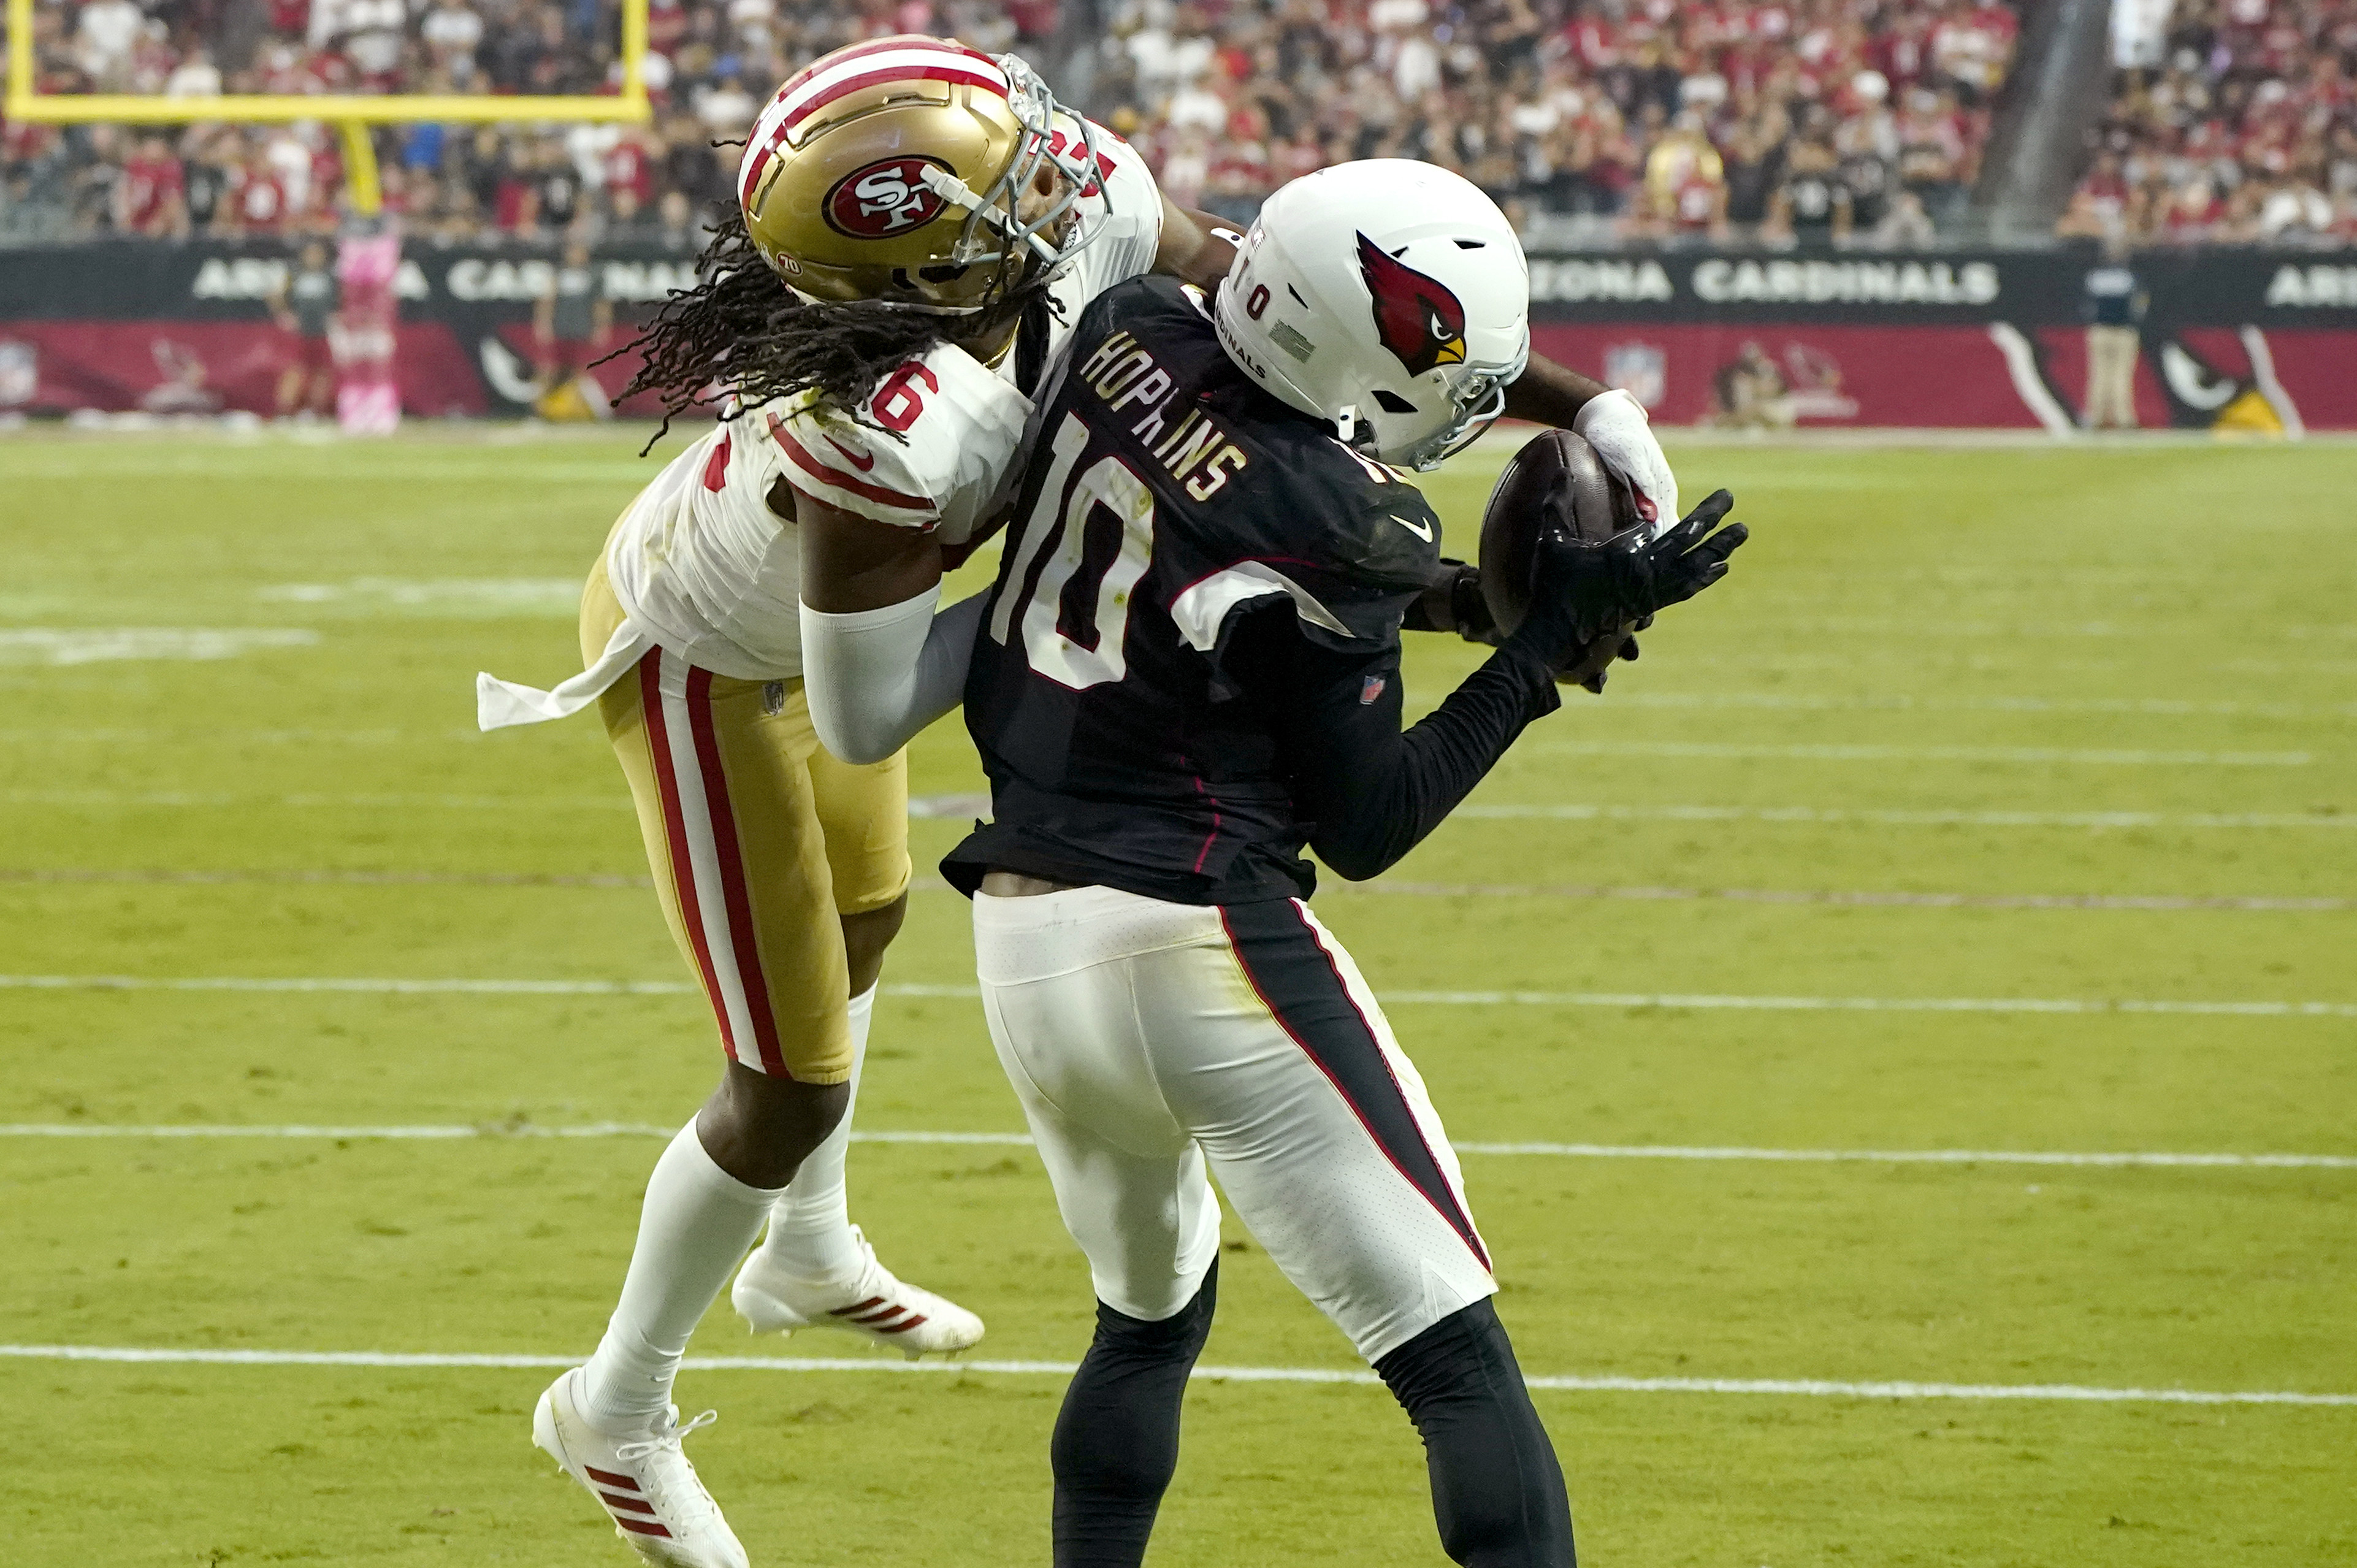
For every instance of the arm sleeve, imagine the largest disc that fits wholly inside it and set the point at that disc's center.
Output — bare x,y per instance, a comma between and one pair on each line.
875,678
1367,791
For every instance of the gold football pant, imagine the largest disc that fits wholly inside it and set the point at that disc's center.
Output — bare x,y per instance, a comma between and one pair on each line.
759,839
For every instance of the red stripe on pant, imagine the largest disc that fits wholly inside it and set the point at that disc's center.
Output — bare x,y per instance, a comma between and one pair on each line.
1459,1218
1448,1202
734,898
683,867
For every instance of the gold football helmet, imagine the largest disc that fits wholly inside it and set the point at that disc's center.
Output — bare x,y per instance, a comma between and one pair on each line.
902,170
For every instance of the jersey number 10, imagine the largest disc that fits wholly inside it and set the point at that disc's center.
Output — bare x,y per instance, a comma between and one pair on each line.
1075,615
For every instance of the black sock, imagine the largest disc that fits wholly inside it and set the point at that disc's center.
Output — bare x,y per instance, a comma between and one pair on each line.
1116,1440
1497,1490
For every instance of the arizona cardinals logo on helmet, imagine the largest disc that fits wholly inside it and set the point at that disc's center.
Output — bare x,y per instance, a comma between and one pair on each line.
1415,317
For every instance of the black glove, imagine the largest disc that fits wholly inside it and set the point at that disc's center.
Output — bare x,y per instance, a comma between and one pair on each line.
1581,591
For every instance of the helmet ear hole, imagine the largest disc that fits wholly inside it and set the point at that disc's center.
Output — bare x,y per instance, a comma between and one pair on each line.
1392,403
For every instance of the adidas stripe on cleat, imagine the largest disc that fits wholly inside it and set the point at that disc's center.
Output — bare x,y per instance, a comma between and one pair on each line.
644,1481
871,1303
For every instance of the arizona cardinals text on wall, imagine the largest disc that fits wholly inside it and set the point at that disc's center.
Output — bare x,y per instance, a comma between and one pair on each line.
1415,317
883,199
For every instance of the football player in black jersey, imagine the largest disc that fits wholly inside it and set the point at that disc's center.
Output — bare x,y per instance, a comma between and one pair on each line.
1189,670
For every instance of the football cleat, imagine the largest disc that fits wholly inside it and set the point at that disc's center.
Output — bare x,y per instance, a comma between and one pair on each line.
870,1302
644,1481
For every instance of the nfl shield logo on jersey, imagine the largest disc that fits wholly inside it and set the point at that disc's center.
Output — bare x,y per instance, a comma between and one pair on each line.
1369,690
1639,369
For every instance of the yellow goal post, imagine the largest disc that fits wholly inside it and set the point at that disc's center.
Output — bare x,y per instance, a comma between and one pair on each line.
354,112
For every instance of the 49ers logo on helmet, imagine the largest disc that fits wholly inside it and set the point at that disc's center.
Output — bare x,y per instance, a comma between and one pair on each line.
883,199
1415,317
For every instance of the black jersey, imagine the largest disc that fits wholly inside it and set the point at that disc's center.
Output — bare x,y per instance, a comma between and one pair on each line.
1166,493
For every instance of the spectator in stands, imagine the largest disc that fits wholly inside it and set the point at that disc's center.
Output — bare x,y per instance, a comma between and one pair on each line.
195,77
1685,183
255,201
451,32
1812,207
1560,107
2292,209
151,199
204,180
104,35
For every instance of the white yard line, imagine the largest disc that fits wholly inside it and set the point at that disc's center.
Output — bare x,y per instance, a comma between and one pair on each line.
386,985
449,1132
70,876
1394,887
2021,755
177,799
1574,812
1558,812
2158,707
1803,1386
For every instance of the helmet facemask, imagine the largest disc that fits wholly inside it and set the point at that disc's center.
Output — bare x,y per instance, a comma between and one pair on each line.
998,227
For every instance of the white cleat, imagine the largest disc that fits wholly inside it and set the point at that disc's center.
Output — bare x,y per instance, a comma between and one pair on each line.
870,1303
644,1481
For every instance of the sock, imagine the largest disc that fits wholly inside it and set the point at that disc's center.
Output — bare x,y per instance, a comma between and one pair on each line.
696,1225
1116,1440
810,1226
1497,1490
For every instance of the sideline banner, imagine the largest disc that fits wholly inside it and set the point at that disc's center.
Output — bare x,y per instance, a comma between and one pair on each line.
2235,338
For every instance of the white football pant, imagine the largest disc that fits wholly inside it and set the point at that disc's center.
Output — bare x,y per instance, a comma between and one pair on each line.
1149,1039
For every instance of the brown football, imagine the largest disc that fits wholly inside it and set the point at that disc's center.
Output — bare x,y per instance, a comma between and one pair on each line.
1557,481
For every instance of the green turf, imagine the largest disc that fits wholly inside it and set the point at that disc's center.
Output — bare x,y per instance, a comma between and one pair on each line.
2161,631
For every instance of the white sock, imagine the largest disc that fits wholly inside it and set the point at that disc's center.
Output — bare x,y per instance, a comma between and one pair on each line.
810,1226
696,1227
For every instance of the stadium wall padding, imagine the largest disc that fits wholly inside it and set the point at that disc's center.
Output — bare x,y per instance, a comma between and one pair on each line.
1963,339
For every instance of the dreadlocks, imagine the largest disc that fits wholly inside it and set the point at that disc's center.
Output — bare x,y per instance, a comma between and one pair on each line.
741,332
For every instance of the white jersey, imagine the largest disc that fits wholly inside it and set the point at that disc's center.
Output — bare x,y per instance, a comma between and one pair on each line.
710,571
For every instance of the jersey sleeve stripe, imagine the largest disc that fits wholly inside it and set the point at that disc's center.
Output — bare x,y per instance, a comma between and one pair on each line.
835,478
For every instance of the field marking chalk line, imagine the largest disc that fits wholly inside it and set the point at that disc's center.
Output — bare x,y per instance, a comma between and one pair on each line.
2024,754
1838,816
954,806
443,1132
1396,887
2060,1006
1802,1386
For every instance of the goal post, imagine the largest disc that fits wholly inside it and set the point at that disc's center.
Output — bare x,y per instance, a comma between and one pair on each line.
353,112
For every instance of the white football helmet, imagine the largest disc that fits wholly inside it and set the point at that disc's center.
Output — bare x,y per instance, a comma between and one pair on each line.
1388,297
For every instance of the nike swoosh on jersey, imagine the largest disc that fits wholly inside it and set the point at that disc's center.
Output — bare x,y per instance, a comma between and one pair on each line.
855,459
1421,529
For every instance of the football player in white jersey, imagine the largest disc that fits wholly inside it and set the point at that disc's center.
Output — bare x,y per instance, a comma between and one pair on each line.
917,227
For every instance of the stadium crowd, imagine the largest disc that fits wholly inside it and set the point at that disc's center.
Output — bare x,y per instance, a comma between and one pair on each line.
2245,130
710,66
1789,121
1779,122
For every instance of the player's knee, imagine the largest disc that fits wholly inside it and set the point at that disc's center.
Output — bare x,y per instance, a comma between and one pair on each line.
865,936
1178,1337
760,1128
1497,1490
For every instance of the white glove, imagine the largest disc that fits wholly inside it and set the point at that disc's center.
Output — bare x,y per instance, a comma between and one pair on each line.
1616,425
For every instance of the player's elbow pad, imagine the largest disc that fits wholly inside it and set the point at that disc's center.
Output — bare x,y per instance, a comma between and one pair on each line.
875,678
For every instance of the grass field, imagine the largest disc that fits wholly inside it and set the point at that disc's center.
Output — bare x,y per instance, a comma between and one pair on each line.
1968,728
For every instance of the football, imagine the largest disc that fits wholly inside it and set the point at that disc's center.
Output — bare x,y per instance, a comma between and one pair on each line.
1555,481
